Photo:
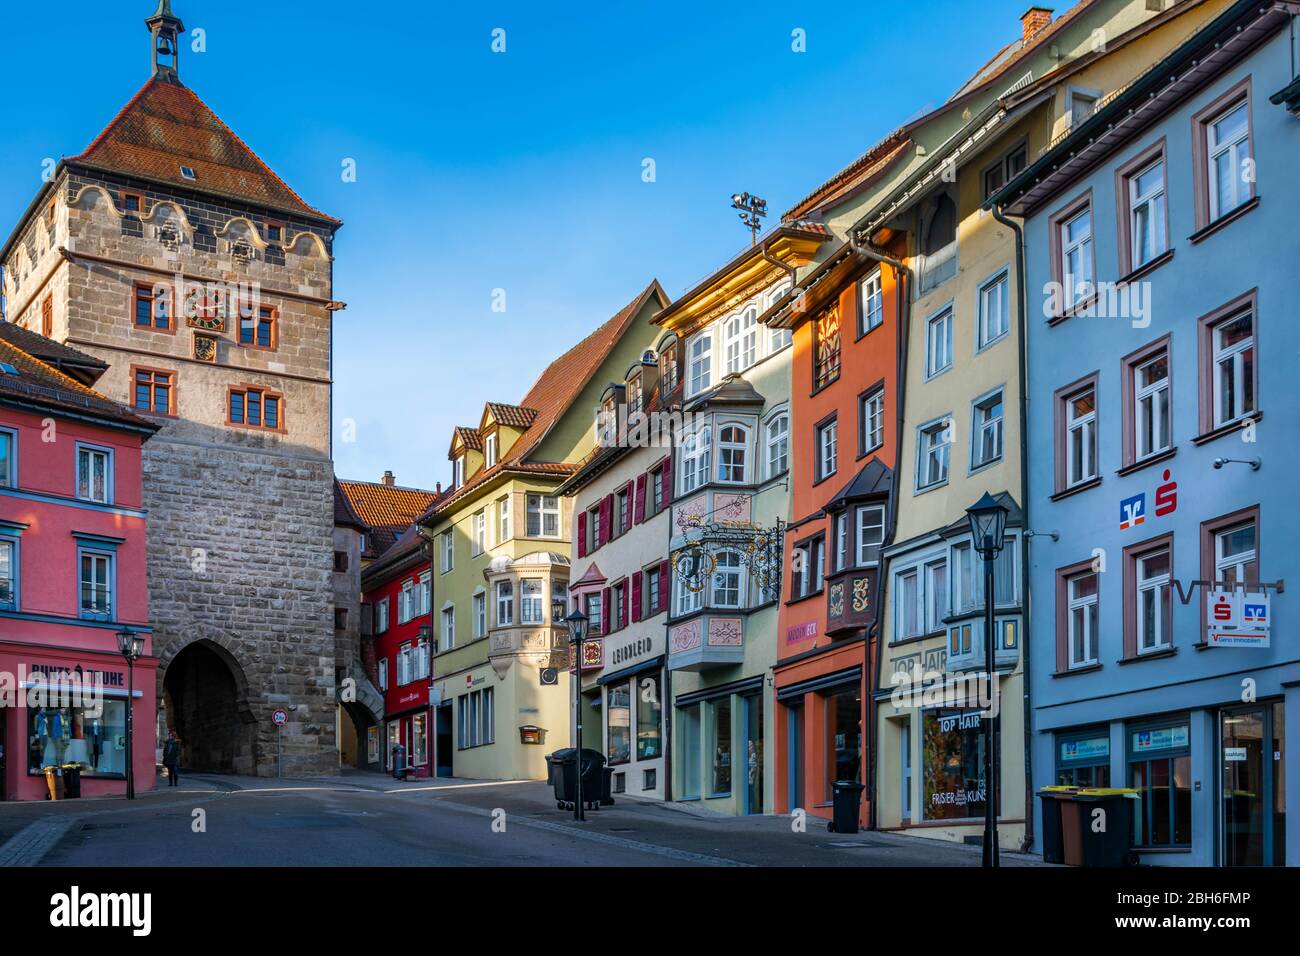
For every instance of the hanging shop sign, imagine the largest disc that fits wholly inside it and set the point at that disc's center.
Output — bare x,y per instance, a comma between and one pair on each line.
1237,618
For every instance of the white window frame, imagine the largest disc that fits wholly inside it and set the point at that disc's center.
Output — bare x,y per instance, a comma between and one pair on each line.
695,457
841,539
382,668
1146,406
504,594
448,552
1233,356
448,620
828,442
727,467
108,561
907,612
536,504
478,522
1235,562
9,547
982,427
1158,586
530,605
1152,204
699,363
993,303
740,339
94,453
1238,150
685,601
1080,250
871,303
1086,426
503,519
10,478
490,450
865,522
1088,609
938,342
457,472
478,606
941,450
728,579
873,420
776,444
382,616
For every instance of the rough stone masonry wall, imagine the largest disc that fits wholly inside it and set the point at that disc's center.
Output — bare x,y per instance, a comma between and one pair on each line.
240,522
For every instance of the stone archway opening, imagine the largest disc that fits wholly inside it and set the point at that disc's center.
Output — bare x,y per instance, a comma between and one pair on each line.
205,698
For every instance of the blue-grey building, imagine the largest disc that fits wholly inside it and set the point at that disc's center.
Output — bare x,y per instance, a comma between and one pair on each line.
1163,303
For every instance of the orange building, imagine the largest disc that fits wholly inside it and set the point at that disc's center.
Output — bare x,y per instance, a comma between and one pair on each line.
844,315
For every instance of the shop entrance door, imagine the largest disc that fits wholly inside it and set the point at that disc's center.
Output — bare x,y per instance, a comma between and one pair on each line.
794,750
1253,827
753,753
443,745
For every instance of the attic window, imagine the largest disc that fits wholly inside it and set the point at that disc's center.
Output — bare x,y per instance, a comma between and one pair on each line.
8,369
188,173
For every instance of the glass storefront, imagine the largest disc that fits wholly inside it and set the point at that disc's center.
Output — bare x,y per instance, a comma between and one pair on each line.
93,738
1160,767
618,722
952,765
1083,758
687,731
720,770
649,718
843,736
753,706
1254,788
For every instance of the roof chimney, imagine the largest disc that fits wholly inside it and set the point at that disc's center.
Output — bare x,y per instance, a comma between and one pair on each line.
388,479
1034,21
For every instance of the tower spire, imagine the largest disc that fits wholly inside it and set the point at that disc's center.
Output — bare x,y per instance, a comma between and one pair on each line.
165,29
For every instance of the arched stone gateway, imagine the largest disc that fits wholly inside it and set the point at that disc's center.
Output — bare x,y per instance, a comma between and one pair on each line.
204,694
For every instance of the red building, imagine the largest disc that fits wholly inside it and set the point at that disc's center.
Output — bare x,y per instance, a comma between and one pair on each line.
72,576
395,600
844,313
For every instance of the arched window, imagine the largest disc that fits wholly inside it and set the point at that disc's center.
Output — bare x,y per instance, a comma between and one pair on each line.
740,338
700,353
694,454
778,445
733,444
728,581
684,599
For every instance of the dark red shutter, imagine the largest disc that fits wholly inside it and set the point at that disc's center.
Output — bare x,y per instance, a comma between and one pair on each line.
607,519
663,585
638,509
582,534
605,613
622,611
668,480
636,596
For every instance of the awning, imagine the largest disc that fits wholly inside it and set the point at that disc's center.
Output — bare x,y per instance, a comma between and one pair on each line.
83,690
651,665
851,675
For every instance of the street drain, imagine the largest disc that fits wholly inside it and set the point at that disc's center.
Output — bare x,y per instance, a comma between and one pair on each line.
853,845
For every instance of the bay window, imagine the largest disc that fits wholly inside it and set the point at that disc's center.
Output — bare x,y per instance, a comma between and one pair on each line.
733,446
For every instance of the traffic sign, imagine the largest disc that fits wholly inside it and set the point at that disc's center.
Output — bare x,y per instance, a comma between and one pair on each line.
280,717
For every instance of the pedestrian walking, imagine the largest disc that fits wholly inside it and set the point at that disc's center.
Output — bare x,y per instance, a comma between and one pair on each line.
172,758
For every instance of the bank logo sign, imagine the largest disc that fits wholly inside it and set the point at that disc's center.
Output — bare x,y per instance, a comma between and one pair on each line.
1237,619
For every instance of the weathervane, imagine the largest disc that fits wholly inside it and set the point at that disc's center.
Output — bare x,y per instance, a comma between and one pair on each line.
752,211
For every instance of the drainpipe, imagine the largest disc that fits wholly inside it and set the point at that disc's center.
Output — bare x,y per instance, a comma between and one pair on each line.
1021,322
903,294
789,270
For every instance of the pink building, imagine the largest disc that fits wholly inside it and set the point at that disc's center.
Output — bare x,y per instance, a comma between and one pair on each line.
72,574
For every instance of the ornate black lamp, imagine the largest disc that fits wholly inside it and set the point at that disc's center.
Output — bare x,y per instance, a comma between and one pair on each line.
131,644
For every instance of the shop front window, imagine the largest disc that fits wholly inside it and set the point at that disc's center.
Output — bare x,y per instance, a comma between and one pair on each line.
420,739
1083,758
649,742
90,737
1160,768
952,760
618,721
720,778
843,737
687,732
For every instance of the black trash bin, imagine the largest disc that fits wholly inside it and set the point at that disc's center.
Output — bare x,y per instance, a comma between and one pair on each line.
399,762
1053,840
72,780
1113,844
563,777
557,775
847,797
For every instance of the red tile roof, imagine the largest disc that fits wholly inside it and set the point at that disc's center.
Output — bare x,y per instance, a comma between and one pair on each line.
46,386
388,510
515,416
166,126
552,394
469,437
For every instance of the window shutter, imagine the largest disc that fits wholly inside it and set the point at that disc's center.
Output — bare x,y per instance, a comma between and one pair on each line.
668,480
582,534
638,509
622,611
606,519
605,612
636,595
663,585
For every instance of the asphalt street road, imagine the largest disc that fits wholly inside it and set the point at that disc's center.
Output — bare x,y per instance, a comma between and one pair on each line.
371,820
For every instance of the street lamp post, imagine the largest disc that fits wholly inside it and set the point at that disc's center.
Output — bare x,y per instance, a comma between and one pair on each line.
131,644
988,522
577,625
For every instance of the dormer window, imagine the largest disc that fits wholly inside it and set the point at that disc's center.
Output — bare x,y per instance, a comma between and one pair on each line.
634,394
458,471
188,173
668,368
490,450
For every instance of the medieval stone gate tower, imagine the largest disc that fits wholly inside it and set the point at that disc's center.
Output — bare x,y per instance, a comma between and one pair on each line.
170,251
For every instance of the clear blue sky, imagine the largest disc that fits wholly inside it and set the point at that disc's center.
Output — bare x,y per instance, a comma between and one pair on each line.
519,171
